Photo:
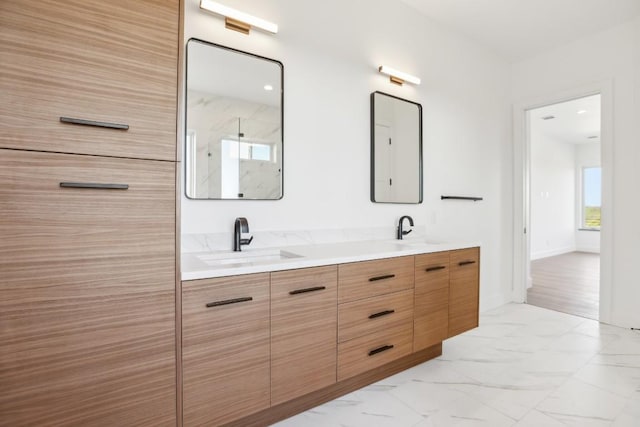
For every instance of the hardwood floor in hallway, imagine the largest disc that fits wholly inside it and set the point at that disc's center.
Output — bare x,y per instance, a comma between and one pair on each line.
569,283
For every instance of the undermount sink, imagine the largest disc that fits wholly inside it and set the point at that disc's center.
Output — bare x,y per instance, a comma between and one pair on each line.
247,258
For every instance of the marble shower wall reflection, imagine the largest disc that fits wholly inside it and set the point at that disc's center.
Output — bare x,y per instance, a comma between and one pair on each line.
235,146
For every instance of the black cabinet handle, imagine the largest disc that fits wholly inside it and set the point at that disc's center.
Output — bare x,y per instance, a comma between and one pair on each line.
461,263
438,267
95,185
387,276
380,349
75,121
382,313
229,301
305,290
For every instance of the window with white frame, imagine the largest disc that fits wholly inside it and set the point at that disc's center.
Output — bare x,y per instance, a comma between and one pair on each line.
591,197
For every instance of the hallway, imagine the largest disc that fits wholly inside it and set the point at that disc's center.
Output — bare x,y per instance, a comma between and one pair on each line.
569,283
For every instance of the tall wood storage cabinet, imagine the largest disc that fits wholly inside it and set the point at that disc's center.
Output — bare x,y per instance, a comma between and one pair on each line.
87,212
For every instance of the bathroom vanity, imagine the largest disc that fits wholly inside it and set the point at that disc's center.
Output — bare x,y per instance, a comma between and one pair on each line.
268,334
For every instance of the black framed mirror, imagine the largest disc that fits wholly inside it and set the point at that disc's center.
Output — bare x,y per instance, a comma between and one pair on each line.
234,124
396,150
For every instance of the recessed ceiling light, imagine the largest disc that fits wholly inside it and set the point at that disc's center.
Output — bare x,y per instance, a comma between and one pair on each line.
581,111
268,87
548,117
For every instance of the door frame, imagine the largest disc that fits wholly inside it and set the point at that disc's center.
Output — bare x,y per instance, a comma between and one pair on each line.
521,188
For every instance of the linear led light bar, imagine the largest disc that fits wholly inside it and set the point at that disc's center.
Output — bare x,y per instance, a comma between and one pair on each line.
398,77
237,20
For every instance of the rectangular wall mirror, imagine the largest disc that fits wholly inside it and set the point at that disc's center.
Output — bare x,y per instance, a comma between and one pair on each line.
396,149
234,123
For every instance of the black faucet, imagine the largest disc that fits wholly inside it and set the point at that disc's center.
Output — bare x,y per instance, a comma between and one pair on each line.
402,233
241,226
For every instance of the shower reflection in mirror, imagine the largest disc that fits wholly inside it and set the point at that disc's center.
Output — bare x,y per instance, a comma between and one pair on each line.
234,124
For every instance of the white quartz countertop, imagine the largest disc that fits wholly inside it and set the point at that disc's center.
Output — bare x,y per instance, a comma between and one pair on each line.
203,265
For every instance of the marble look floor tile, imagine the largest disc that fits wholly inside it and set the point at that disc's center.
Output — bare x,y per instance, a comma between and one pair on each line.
620,380
363,408
463,345
619,360
630,416
537,419
547,328
607,333
553,366
629,346
511,392
572,342
427,398
467,411
579,404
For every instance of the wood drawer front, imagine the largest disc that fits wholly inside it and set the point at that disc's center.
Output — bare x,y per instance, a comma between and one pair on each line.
303,331
225,348
432,271
464,290
431,322
369,315
370,351
112,62
87,295
370,278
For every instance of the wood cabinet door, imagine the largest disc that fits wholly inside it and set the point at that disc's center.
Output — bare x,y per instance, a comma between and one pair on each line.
87,290
378,277
303,331
464,290
104,63
431,311
225,348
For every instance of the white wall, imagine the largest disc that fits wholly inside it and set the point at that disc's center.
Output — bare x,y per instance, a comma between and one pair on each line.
612,55
587,155
553,201
331,51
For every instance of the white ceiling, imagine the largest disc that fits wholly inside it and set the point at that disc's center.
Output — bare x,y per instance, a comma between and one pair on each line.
568,125
519,29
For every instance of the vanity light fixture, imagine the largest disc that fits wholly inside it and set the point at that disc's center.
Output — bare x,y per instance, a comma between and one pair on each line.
398,77
237,20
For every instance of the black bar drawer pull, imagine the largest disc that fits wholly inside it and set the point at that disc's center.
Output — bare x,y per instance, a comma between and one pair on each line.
382,313
387,276
94,185
380,349
229,301
461,263
84,122
438,267
305,290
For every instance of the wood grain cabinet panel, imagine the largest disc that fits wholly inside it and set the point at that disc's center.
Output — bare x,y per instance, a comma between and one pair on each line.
87,283
370,315
303,331
431,311
373,350
464,284
370,278
103,61
225,348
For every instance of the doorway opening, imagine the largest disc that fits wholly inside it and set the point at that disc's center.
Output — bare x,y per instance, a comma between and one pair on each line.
564,205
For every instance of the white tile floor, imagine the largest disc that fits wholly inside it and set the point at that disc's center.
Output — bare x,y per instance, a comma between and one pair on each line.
524,366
